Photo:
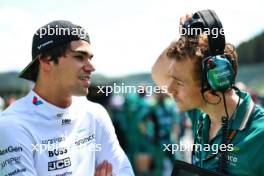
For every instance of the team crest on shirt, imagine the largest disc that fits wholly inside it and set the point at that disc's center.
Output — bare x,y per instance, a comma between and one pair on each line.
36,102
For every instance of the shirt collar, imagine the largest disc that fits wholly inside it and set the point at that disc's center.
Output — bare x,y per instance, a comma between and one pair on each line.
243,112
44,108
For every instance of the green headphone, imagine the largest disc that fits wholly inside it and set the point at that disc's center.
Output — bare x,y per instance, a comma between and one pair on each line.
217,73
217,69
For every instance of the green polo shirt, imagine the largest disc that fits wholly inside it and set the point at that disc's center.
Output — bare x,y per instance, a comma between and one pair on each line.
246,154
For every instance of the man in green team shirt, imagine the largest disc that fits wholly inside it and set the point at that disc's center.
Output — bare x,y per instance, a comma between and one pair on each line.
179,67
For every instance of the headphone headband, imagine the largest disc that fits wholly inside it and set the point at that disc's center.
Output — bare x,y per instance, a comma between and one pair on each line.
212,22
208,21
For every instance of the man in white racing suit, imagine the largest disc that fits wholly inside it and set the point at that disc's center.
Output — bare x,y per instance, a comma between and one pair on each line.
54,130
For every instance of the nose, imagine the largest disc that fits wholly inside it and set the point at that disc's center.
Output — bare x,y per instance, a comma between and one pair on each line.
89,67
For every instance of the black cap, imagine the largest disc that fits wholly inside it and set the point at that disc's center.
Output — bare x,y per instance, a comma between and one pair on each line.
49,36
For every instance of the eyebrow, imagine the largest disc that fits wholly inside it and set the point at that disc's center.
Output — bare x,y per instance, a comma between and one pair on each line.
83,53
177,79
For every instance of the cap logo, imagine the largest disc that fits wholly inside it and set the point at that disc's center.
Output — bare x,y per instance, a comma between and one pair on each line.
45,44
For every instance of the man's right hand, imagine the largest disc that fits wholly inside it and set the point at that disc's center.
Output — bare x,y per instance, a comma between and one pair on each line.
187,17
104,169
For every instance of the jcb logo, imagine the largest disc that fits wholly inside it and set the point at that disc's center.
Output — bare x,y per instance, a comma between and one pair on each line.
59,164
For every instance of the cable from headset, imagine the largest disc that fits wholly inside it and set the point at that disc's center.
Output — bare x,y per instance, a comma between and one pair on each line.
225,124
225,106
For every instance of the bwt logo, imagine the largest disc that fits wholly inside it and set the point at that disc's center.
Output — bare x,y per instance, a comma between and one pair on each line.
59,164
57,152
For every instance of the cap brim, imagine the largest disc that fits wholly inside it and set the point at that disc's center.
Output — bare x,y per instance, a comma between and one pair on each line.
160,70
27,72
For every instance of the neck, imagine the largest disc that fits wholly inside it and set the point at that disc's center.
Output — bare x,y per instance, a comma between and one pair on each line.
216,112
53,94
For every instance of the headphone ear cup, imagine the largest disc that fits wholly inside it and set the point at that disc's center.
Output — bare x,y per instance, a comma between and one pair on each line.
220,73
232,62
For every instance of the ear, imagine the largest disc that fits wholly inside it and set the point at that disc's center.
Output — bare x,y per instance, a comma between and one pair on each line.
45,64
211,96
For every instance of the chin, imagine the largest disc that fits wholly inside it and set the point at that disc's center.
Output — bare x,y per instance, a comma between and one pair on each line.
182,108
81,92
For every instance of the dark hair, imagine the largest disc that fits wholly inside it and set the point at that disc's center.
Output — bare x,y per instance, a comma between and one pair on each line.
196,48
54,54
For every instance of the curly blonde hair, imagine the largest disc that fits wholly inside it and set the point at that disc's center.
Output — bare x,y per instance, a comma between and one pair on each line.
196,48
